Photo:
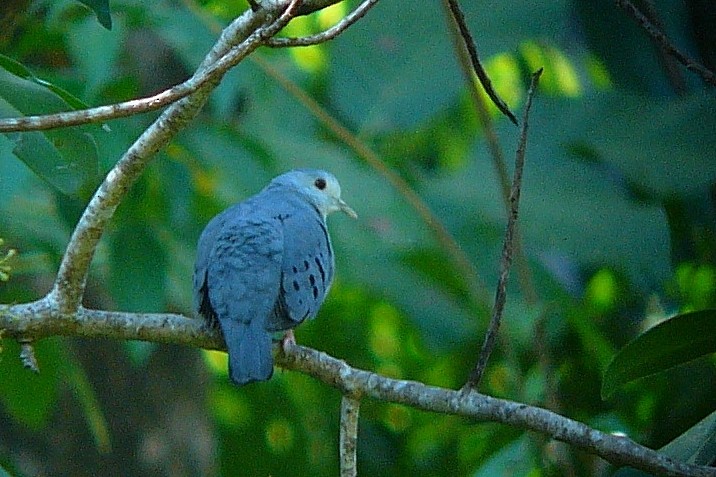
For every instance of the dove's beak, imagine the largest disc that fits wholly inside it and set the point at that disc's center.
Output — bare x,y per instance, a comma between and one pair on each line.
346,208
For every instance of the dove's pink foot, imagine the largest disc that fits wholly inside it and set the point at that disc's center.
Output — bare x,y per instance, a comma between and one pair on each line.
288,339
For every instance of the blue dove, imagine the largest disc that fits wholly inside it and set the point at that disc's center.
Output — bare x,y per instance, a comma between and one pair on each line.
265,265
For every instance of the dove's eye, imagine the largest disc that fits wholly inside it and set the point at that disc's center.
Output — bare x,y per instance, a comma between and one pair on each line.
320,183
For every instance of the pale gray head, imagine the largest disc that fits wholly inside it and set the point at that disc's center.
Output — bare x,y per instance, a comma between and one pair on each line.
321,188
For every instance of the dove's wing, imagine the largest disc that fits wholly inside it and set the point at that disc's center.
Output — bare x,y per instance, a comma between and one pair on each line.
307,266
240,286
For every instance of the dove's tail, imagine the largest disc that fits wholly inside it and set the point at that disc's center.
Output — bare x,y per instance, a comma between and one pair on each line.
249,345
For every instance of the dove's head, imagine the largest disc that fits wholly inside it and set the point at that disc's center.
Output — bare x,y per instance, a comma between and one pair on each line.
321,188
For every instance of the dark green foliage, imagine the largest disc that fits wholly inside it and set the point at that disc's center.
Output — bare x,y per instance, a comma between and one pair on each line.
675,341
616,221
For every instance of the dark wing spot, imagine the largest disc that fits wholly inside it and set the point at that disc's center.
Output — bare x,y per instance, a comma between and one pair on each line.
315,293
312,279
321,270
305,264
295,270
296,286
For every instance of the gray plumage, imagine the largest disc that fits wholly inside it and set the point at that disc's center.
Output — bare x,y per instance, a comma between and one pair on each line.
265,265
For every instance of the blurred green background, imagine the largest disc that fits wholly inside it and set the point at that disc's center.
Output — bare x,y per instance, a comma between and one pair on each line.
617,225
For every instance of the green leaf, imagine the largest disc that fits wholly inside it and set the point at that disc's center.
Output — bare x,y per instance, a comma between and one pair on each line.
84,392
675,341
66,158
101,9
629,57
697,445
572,213
18,69
28,397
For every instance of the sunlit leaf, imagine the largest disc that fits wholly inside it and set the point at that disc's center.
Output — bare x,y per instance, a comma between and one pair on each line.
413,74
675,341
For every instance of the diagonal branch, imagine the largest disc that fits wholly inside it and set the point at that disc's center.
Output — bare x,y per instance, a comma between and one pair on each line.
657,35
37,320
493,146
242,37
459,18
102,113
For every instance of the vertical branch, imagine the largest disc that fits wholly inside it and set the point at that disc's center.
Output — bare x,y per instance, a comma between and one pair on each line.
348,440
507,249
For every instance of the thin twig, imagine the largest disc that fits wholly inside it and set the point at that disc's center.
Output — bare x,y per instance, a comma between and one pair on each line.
348,441
507,250
498,160
27,355
663,41
37,320
475,59
99,113
326,35
668,62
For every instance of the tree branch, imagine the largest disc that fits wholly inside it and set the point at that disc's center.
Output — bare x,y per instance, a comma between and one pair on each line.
350,407
242,37
507,249
459,18
216,66
663,41
37,320
219,60
329,34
